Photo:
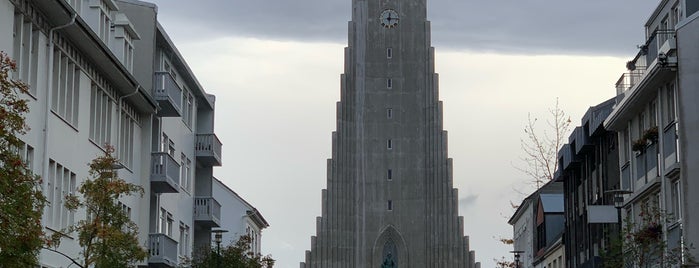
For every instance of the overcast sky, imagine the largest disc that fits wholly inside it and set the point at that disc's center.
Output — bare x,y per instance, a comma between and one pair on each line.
274,66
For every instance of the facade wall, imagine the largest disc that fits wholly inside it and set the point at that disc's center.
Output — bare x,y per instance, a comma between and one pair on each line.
93,85
688,111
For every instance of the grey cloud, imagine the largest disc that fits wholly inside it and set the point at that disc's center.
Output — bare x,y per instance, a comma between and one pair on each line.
607,27
468,201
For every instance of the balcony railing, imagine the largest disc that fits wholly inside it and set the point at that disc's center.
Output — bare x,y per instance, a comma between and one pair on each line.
207,211
164,173
162,251
168,94
208,149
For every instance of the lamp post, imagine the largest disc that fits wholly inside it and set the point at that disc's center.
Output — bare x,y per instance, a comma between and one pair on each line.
517,255
618,196
218,236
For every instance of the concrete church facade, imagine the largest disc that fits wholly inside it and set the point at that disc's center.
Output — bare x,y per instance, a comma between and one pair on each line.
389,200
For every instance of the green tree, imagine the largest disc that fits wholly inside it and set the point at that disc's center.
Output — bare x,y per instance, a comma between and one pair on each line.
235,255
108,237
21,199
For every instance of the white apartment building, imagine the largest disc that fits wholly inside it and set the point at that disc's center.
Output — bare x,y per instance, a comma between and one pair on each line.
657,112
241,218
105,72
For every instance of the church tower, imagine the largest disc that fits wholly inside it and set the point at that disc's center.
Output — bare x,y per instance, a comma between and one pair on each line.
389,200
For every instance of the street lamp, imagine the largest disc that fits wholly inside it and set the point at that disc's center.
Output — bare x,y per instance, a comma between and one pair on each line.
517,254
218,236
618,196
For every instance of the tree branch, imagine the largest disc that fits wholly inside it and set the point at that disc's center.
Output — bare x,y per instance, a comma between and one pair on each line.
64,255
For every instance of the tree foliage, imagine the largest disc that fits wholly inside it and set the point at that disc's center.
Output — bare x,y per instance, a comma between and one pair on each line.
641,244
235,255
108,237
540,147
21,199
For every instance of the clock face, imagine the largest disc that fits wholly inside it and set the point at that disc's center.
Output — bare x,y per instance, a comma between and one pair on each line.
389,18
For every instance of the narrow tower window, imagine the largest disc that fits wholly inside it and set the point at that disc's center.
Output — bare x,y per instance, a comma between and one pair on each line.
389,113
389,83
390,205
389,53
389,144
389,174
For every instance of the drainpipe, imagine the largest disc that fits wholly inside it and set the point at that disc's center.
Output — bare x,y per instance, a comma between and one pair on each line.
49,89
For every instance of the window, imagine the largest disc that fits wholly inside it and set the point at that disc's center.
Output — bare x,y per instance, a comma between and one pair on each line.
77,5
389,174
127,211
676,14
389,113
171,148
164,143
675,202
184,240
29,158
66,87
100,116
390,205
26,51
126,137
389,144
389,83
670,104
104,24
185,172
652,113
188,175
61,182
165,223
169,225
389,53
162,223
188,113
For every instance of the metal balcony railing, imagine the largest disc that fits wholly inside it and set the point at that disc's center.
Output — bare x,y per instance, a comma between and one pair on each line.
162,251
168,94
208,149
207,211
164,173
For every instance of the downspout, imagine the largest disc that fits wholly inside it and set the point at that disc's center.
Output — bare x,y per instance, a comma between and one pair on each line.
49,89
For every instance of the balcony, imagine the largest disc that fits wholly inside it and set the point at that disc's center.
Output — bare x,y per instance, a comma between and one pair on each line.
207,211
164,173
162,251
654,65
168,94
208,149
